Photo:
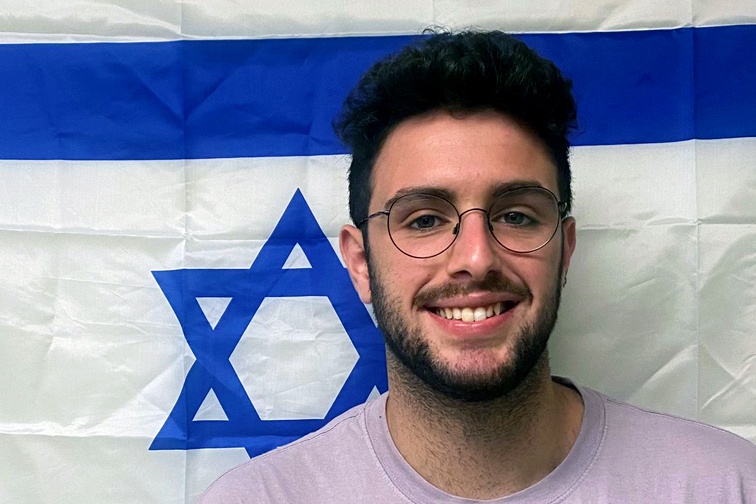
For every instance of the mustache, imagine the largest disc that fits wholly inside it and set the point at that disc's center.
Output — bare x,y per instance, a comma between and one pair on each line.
494,282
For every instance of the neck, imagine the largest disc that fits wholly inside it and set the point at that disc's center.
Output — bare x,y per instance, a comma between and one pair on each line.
487,449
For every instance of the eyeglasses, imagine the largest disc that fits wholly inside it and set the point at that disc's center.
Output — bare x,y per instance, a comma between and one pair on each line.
521,220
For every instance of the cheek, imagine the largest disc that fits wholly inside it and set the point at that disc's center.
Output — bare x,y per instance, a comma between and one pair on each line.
400,277
541,272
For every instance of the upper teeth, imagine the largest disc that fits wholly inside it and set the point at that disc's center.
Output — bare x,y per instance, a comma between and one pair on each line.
468,314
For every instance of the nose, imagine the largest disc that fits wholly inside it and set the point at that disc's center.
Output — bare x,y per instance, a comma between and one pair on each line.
474,252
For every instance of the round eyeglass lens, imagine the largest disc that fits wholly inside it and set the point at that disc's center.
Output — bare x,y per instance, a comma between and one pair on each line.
422,225
524,220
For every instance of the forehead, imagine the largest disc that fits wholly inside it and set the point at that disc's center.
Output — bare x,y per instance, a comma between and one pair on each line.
470,156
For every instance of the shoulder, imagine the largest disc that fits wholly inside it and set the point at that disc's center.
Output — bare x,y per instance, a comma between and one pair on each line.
287,473
668,439
638,455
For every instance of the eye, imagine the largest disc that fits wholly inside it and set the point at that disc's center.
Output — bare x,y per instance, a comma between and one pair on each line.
516,219
425,222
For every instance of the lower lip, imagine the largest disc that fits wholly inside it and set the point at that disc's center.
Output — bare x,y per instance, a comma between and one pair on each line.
479,329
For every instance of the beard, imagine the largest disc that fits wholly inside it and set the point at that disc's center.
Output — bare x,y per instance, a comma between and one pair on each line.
414,353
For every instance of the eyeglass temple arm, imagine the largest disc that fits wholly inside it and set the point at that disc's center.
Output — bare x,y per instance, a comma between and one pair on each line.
376,214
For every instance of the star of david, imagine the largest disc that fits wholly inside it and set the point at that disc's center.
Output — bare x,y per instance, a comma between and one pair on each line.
212,346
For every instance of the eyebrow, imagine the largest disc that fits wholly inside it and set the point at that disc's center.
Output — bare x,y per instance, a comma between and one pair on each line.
430,190
500,189
449,195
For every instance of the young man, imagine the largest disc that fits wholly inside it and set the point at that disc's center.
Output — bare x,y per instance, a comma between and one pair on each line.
460,192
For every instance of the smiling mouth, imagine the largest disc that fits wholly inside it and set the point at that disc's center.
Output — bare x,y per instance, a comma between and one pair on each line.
475,314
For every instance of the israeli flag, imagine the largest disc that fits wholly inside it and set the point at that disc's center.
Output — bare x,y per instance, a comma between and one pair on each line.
172,300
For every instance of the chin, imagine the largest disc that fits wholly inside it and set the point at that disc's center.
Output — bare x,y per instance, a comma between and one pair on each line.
469,376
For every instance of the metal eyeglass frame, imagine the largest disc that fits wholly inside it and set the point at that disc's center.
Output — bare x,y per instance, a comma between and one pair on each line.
561,208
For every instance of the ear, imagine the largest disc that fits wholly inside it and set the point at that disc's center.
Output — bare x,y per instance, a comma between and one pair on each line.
569,240
353,252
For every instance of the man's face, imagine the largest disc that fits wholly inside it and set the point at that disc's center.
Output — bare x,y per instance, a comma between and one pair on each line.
468,157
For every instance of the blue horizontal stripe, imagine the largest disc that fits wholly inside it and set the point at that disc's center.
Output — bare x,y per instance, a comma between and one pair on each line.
725,82
206,99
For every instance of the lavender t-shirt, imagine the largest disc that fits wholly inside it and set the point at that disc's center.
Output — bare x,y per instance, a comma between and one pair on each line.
622,454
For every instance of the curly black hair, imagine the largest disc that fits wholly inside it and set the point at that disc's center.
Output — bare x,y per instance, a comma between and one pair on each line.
461,72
